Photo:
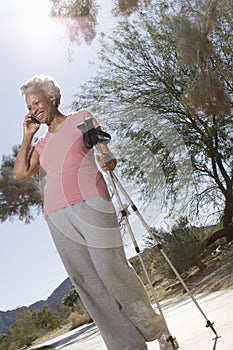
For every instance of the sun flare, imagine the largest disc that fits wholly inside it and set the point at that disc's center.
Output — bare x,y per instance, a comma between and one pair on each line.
36,19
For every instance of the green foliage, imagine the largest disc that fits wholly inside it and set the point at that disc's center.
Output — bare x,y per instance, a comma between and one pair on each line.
4,342
46,319
81,16
31,324
73,302
71,299
78,314
183,246
17,199
23,331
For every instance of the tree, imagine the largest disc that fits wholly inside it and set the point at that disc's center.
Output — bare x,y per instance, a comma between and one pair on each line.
46,319
165,80
183,245
73,301
23,331
31,324
4,342
81,16
18,199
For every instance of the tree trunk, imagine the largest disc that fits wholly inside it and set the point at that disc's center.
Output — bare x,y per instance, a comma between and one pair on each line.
228,211
227,230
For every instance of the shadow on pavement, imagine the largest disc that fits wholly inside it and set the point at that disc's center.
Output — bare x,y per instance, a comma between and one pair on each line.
86,332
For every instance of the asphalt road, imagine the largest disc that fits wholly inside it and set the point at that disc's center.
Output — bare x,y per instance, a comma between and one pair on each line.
184,320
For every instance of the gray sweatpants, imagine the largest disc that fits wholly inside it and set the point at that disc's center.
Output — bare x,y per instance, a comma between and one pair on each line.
88,239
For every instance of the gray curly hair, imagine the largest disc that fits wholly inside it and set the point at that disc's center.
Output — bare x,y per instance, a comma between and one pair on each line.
44,82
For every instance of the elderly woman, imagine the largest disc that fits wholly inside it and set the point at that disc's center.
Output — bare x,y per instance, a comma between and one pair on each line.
82,219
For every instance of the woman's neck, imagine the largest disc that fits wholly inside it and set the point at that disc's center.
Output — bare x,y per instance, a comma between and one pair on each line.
57,122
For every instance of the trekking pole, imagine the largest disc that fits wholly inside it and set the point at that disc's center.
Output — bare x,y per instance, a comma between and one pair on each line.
91,138
123,211
159,246
115,182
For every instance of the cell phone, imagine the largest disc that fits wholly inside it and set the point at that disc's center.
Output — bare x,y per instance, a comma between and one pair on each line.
35,120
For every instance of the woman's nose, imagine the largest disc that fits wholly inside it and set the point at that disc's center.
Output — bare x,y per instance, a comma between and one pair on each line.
33,111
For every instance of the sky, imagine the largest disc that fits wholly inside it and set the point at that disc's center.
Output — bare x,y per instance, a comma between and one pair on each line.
31,43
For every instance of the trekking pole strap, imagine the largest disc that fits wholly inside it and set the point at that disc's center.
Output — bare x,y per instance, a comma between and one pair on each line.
91,135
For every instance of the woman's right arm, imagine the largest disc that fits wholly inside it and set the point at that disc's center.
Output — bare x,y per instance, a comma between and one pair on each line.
27,161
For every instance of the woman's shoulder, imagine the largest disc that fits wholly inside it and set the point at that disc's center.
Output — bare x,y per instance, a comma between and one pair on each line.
82,114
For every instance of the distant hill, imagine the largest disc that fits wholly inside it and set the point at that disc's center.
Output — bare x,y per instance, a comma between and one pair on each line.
7,318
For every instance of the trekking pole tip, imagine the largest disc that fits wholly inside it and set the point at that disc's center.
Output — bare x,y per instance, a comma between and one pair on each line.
210,325
173,342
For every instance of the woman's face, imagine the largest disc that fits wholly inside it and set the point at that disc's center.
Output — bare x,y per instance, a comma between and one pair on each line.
41,106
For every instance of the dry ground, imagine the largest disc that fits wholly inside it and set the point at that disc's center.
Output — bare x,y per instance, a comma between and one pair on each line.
216,275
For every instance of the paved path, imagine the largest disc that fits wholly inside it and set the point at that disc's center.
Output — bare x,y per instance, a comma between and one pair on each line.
184,320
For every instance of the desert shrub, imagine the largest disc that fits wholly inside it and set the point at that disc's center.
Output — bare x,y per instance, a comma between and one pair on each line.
23,331
31,324
182,245
4,342
78,320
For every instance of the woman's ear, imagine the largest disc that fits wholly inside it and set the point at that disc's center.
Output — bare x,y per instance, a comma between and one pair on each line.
53,99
